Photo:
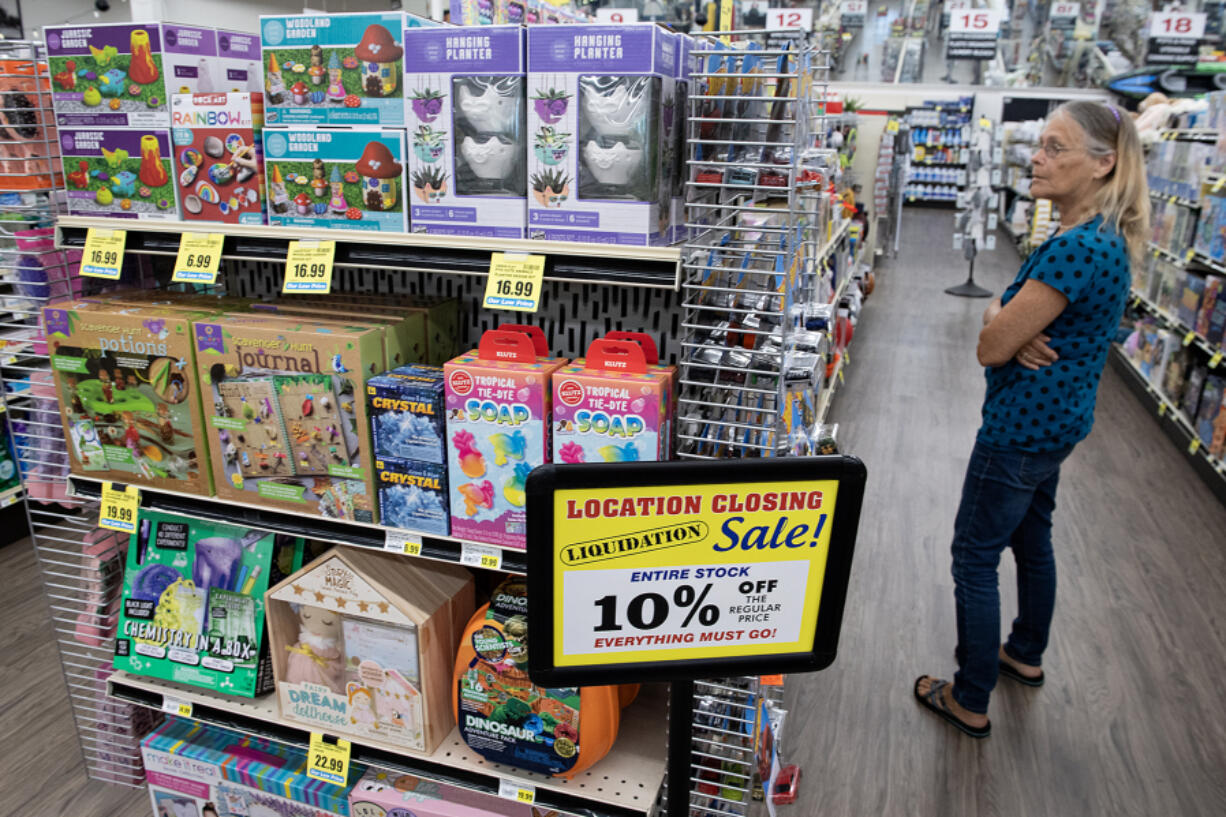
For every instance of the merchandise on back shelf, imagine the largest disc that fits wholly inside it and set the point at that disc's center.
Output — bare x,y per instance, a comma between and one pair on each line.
121,173
1211,320
464,109
129,401
407,410
404,332
383,793
241,65
287,423
1211,416
1175,375
194,770
120,75
193,602
602,106
1170,287
1211,227
1190,297
363,644
344,178
1189,403
219,157
498,423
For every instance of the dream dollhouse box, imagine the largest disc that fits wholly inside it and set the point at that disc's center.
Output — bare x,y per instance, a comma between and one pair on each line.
119,172
218,157
464,109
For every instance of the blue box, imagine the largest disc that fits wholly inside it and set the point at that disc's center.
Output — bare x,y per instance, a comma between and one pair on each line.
407,419
413,495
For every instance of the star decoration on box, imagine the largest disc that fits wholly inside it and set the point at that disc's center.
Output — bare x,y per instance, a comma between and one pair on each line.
340,603
383,606
363,606
320,596
298,589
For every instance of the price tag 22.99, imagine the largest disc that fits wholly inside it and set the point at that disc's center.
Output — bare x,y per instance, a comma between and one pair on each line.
199,258
119,508
103,255
327,761
308,266
514,282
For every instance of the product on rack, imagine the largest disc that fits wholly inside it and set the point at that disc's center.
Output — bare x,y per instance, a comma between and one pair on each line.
1211,227
387,794
1211,320
464,109
195,770
506,718
193,602
602,108
408,430
241,66
118,172
127,392
219,157
363,644
287,423
345,178
498,423
442,318
404,331
28,158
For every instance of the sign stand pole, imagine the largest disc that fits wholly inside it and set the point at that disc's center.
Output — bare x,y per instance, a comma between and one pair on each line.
680,746
969,289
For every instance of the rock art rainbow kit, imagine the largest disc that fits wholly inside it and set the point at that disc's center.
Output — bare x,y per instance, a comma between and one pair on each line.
464,113
218,156
119,172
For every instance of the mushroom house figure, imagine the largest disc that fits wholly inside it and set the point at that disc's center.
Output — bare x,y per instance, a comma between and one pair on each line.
379,55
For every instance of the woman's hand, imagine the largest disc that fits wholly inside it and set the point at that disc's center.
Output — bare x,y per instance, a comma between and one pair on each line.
1036,353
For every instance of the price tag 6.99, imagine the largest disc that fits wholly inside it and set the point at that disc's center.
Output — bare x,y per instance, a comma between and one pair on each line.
119,508
308,266
514,282
480,556
326,761
199,258
103,255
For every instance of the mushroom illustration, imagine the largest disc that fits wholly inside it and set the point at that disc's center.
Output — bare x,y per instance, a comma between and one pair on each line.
303,202
380,171
378,53
299,92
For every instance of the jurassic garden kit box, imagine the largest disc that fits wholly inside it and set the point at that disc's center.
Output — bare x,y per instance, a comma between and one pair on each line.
127,393
193,602
120,173
287,423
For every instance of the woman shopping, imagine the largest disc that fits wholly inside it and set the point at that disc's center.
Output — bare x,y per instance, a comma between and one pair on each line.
1044,343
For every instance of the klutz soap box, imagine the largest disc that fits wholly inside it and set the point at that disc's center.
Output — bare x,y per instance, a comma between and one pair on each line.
464,96
413,495
498,416
218,157
241,65
350,178
119,173
407,409
120,75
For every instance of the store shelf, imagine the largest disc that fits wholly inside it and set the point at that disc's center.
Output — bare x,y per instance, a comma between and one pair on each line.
1188,134
623,784
1190,336
10,497
585,263
354,534
1170,257
1189,203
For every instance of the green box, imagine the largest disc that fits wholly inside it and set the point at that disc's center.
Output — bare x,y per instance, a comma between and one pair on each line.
193,602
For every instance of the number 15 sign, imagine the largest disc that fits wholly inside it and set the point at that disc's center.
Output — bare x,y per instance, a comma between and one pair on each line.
974,21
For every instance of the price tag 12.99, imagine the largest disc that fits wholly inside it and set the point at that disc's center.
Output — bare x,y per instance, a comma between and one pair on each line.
480,556
119,508
199,258
326,761
308,266
514,282
103,255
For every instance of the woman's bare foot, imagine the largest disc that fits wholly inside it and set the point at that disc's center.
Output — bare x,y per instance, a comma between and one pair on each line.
924,685
1024,670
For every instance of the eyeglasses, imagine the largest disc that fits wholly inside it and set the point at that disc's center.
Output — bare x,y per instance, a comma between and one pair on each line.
1055,150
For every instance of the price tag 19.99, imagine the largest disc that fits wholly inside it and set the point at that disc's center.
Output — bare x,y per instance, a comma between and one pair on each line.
308,266
327,761
514,282
480,556
103,255
514,790
119,508
199,258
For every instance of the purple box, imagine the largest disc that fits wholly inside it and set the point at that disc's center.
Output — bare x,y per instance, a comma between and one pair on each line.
119,172
241,68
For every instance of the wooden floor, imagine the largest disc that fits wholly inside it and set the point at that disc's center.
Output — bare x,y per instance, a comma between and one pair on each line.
1131,721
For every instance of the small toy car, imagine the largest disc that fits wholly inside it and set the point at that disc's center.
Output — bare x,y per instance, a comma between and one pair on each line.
787,785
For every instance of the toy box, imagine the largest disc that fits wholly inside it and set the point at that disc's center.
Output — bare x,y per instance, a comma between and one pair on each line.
404,332
193,602
464,109
218,157
127,390
287,422
382,793
363,646
345,178
241,64
413,495
121,75
601,106
407,413
119,173
194,770
498,416
336,69
442,317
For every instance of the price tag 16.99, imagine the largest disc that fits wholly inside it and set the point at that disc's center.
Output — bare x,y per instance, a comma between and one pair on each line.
514,282
119,507
199,258
103,255
327,761
308,266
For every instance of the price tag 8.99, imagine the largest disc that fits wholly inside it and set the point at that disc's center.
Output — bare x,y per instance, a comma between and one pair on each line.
199,258
308,266
120,507
103,255
514,282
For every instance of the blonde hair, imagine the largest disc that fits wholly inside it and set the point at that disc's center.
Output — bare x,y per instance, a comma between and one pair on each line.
1123,200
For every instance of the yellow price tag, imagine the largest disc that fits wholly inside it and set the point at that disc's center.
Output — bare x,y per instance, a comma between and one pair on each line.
174,706
480,556
401,541
308,266
1136,302
1194,446
1162,409
984,122
327,761
514,282
519,792
840,375
103,255
1189,255
199,258
120,507
892,126
1172,200
1217,186
1188,338
1215,360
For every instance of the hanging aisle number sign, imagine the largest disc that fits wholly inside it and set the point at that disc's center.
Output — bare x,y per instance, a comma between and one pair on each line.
1174,37
803,18
852,13
120,507
328,762
308,266
1064,15
199,258
103,255
514,282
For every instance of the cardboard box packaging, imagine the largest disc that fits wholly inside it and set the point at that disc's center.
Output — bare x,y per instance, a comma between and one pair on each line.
119,173
219,157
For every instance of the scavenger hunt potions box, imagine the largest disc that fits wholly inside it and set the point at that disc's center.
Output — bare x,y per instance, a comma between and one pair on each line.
193,602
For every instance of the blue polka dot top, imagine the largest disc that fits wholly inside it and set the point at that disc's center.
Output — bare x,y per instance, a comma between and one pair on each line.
1053,408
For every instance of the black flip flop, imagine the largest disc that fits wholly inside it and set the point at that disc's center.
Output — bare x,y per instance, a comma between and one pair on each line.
934,702
1007,670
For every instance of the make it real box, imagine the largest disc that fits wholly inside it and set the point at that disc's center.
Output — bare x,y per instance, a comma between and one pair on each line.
119,172
218,157
601,118
121,75
464,105
344,178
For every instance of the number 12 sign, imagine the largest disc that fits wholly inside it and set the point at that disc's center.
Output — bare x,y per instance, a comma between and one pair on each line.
790,18
1180,24
974,21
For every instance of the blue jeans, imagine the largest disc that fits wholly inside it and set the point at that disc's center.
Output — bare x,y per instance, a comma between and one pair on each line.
1007,500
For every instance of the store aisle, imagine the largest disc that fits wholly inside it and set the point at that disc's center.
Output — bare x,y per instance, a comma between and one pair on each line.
1129,722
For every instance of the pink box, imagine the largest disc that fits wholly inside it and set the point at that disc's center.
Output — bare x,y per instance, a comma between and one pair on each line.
394,795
